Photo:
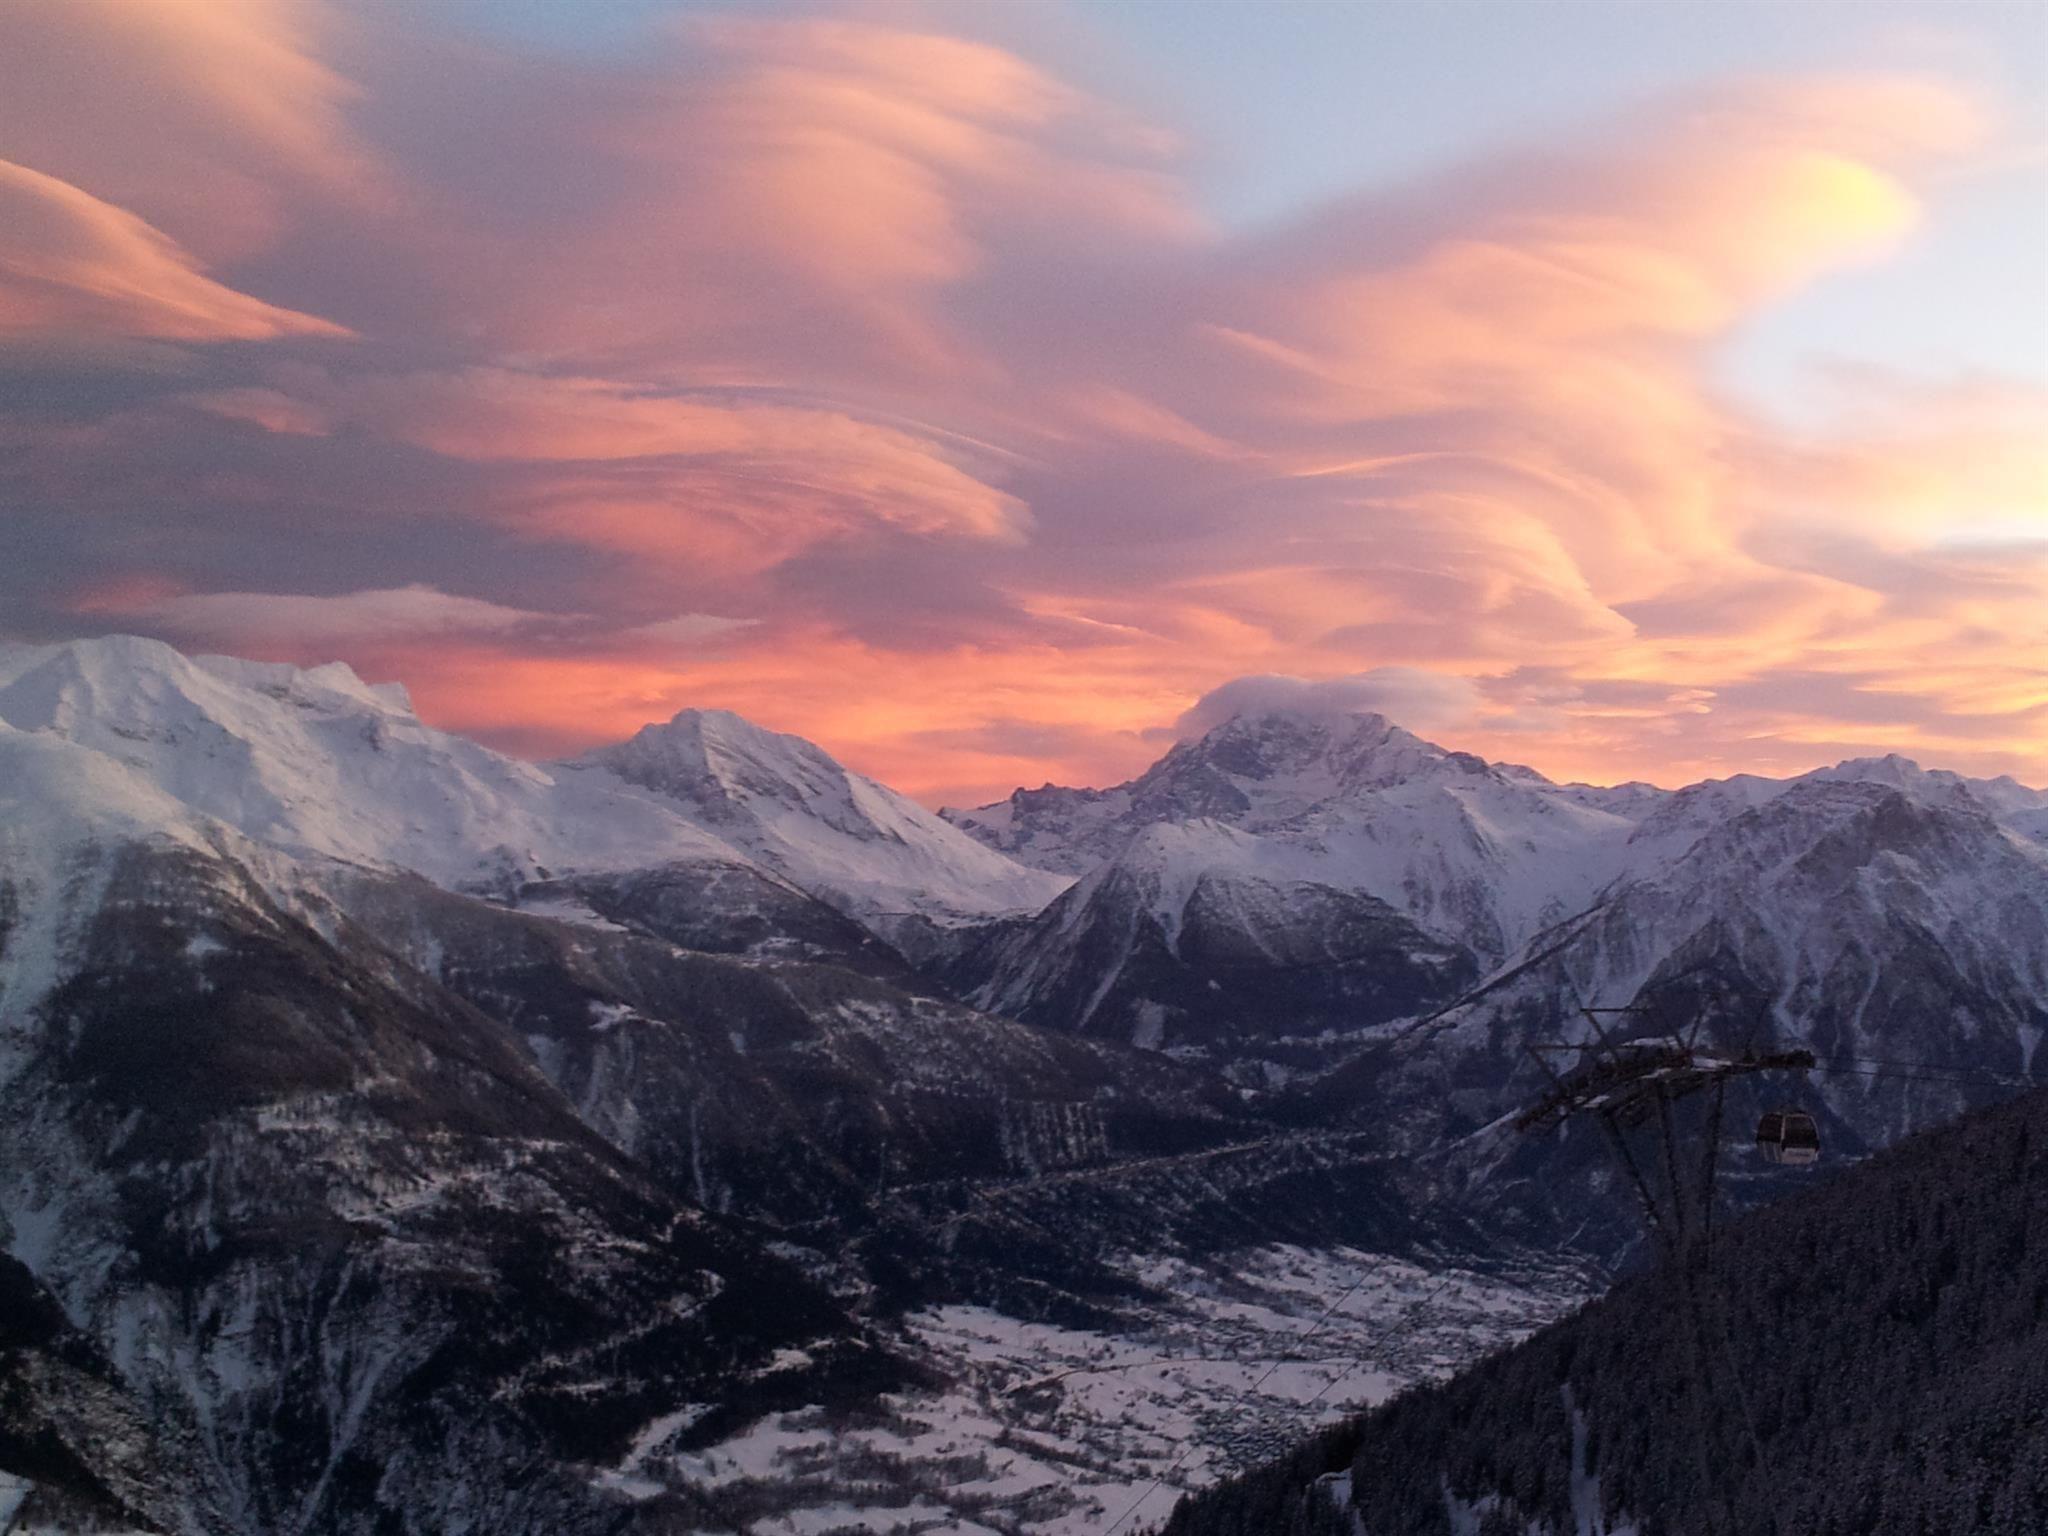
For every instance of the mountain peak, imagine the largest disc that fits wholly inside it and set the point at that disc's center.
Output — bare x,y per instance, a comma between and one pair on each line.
136,682
1282,722
1344,750
790,804
727,767
713,722
1892,768
317,761
1899,772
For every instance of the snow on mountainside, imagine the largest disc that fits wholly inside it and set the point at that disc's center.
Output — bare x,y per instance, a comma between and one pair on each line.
789,805
1874,919
1485,855
1870,923
62,809
1198,936
1477,854
328,1230
290,1116
317,762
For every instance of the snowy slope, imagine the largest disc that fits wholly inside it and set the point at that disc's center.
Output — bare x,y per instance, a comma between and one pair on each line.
1868,922
1481,854
1200,937
1478,854
306,1209
1878,919
317,762
786,803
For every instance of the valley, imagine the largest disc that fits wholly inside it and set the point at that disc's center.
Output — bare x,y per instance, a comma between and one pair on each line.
396,1136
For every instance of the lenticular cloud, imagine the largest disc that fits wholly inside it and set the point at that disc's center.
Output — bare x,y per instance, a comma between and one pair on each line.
923,365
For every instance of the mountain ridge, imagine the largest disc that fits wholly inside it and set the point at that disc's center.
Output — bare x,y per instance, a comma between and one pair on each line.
261,930
315,761
1484,855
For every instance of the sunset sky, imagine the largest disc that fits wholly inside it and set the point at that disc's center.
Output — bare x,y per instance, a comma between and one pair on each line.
1634,390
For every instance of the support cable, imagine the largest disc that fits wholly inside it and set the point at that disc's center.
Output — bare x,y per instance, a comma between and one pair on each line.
1671,1234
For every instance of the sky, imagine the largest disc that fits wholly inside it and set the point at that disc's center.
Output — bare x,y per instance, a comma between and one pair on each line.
995,393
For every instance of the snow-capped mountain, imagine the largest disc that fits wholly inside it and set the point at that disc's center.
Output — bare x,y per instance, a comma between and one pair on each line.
342,1193
317,762
1857,917
788,805
1897,930
379,1113
313,1238
1481,855
343,1198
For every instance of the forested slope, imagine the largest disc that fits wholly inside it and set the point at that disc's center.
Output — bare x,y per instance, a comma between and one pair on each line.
1870,1356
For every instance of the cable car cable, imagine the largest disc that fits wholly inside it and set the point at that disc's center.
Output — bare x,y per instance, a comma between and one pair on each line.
1875,1066
1934,1073
1944,1079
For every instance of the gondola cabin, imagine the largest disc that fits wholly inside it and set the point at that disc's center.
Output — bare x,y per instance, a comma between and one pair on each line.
1788,1136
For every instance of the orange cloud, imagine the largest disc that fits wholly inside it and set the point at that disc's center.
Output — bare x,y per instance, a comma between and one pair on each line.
725,482
942,742
917,361
786,196
496,414
71,265
199,114
1556,337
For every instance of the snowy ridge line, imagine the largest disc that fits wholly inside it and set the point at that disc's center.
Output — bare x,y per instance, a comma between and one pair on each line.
1489,857
315,763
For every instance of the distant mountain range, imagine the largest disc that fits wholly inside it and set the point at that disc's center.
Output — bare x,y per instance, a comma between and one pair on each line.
1288,880
379,1112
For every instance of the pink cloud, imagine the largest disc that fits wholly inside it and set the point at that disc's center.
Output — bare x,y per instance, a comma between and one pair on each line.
206,117
74,266
918,358
724,480
308,624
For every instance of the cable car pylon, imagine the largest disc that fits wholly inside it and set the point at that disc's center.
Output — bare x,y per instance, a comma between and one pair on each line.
1624,1084
1628,1083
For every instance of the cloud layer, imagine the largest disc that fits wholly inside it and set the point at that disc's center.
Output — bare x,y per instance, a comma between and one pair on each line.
883,385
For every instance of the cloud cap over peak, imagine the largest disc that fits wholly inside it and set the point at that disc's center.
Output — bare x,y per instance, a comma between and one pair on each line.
1413,697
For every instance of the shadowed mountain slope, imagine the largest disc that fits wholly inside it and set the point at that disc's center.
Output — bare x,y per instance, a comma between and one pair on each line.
1866,1358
